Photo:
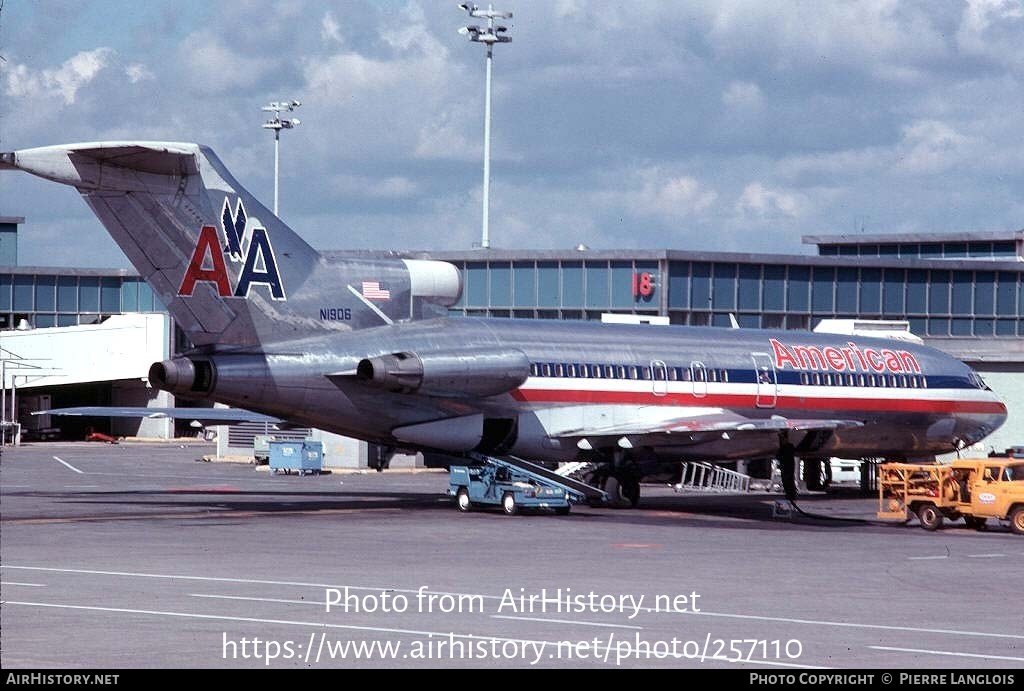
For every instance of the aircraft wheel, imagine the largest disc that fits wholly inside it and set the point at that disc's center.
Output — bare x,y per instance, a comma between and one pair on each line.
617,497
563,510
631,491
508,504
462,500
1017,520
817,473
930,516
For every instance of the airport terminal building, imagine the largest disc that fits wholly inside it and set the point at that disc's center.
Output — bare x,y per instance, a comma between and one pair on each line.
962,293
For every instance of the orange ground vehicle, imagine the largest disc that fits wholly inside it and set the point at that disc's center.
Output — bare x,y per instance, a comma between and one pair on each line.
975,490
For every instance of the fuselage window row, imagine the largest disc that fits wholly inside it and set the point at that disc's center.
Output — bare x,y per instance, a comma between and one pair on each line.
575,370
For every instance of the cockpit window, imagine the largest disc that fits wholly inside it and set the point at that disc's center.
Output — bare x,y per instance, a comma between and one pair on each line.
978,382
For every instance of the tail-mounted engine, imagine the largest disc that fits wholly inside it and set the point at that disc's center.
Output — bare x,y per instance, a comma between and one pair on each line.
483,373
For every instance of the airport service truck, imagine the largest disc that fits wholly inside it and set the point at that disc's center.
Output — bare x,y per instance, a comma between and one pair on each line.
975,490
496,483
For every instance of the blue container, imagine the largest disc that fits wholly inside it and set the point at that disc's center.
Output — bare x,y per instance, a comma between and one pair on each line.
304,457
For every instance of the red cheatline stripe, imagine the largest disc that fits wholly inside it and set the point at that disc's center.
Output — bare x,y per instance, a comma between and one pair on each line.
817,405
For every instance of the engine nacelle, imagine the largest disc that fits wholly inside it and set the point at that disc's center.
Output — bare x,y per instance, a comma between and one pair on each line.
436,281
482,373
235,378
183,377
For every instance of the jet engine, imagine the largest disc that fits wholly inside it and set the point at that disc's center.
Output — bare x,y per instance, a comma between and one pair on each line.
440,373
238,378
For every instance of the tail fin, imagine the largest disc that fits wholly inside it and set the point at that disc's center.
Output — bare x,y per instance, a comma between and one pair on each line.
229,271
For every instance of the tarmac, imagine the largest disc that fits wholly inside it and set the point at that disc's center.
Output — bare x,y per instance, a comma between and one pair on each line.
141,555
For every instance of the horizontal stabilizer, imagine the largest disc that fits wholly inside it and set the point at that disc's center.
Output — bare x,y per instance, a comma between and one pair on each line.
224,416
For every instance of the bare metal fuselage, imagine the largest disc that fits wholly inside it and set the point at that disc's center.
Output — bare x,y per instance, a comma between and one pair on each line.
349,345
923,406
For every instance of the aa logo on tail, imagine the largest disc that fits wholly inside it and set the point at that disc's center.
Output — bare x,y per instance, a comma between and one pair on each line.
259,266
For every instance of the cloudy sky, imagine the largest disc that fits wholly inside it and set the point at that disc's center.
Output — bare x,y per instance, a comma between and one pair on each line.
733,125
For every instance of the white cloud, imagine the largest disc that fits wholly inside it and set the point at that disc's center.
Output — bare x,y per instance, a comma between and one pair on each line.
743,95
137,72
869,35
846,162
993,29
330,29
446,135
659,193
410,32
395,187
758,200
929,146
64,81
214,67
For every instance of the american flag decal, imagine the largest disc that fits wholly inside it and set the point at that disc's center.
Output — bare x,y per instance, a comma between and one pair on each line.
373,291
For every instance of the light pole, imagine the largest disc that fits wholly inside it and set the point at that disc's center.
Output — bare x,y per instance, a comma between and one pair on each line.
277,124
488,36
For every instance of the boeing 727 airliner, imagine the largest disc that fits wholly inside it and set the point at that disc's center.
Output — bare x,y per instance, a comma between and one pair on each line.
364,347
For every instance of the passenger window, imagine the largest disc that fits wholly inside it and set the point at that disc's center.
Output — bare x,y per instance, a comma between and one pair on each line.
559,370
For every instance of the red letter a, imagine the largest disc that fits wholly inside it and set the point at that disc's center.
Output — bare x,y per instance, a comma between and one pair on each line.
208,244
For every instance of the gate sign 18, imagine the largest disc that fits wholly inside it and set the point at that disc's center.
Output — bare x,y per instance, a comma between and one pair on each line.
643,285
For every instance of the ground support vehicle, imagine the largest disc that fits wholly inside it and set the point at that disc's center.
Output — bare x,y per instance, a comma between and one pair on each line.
973,489
513,484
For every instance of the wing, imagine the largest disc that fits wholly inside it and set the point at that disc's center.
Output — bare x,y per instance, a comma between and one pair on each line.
225,416
664,423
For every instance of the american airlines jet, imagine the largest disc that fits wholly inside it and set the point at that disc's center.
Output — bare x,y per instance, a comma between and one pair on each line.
364,348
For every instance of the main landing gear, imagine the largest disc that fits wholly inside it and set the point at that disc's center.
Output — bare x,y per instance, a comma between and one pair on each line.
623,490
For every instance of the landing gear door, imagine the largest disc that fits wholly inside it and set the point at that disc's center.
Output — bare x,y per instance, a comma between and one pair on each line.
767,380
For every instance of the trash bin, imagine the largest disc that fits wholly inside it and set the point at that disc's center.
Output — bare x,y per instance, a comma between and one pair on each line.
304,457
261,448
312,456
